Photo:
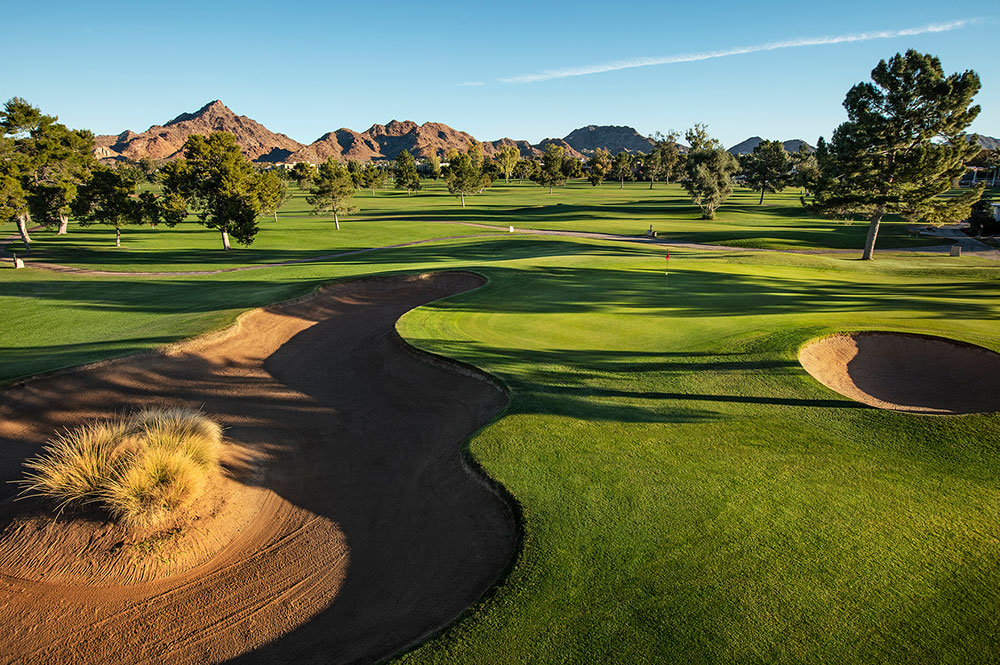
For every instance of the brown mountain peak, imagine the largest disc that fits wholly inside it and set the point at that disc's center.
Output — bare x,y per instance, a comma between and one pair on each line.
397,128
209,111
166,141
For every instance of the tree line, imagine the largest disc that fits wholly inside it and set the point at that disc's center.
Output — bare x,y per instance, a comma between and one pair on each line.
48,172
903,147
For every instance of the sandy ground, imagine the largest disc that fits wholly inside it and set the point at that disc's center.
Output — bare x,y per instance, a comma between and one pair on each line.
905,372
347,526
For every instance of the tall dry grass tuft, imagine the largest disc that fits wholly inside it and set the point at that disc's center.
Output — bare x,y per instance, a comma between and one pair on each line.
142,468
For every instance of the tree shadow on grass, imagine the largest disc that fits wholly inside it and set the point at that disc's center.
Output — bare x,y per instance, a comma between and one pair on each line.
585,383
538,289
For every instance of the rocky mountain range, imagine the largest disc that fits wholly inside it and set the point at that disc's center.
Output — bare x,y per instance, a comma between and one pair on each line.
165,141
989,142
746,147
609,137
260,144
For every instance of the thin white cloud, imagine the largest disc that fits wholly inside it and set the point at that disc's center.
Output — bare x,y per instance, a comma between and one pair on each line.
741,50
471,84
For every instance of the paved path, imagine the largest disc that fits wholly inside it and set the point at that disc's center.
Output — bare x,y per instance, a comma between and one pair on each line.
969,245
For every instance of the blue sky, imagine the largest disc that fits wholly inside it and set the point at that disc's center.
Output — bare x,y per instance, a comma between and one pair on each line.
307,68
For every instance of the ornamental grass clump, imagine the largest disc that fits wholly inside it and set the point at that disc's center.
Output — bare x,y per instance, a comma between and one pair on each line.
142,469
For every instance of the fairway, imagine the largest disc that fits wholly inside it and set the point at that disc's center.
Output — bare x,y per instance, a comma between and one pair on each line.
685,491
683,348
392,217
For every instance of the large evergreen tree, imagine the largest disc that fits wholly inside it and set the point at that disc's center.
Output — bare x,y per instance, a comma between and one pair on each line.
332,191
598,166
767,168
405,172
621,167
903,144
551,173
708,171
371,177
219,184
108,197
48,160
464,176
303,173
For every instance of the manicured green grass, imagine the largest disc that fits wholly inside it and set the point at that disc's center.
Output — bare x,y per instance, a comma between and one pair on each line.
392,217
688,492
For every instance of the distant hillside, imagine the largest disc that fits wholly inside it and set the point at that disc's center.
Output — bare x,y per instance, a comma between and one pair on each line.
384,142
165,141
746,147
377,142
567,148
526,149
989,143
612,138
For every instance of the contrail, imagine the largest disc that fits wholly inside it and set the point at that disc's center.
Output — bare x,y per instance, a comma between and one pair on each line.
741,50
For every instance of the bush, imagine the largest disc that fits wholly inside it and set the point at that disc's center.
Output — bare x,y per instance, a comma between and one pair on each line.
142,469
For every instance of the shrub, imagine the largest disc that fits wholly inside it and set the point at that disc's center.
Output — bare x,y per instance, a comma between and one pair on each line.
142,469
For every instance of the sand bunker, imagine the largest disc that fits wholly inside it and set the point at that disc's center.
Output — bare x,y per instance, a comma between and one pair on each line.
347,526
907,372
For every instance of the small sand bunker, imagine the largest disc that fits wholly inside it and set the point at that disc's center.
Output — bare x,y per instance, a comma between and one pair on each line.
906,372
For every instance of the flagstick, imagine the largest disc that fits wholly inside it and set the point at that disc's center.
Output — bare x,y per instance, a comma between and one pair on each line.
666,275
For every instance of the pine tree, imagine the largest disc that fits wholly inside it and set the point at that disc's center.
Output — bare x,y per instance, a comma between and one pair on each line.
903,144
405,172
598,166
217,181
767,168
303,174
622,167
332,191
372,177
464,176
48,160
551,173
108,197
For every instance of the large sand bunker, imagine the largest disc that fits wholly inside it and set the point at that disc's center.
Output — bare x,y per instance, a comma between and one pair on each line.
907,372
348,526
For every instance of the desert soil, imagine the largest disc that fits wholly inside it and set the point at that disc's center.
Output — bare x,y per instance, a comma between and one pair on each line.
347,526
